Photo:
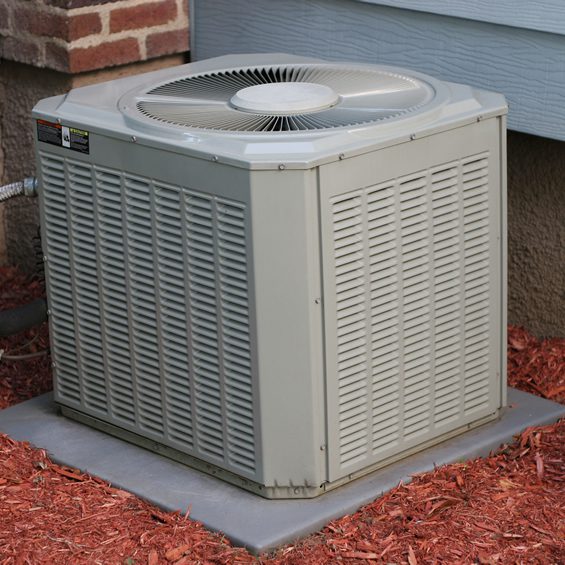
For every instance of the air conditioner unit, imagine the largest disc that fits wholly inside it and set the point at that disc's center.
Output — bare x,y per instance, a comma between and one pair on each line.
282,271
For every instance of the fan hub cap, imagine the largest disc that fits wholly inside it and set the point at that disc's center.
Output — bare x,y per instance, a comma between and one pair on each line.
284,98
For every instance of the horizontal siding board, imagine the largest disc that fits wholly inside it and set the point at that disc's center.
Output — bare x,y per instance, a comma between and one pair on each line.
540,15
527,66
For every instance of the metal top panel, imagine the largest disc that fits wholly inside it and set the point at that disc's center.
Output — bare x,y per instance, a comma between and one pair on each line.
106,109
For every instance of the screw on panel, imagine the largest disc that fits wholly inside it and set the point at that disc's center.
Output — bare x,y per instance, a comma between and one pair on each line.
215,158
413,136
296,490
45,258
133,138
282,167
479,118
322,447
54,365
317,300
48,312
341,156
58,120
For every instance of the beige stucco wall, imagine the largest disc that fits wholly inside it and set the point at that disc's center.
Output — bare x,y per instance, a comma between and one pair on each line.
536,234
536,196
21,86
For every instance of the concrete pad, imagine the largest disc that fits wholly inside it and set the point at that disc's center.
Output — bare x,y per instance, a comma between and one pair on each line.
247,519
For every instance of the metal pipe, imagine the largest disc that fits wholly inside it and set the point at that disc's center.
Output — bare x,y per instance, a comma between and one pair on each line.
27,187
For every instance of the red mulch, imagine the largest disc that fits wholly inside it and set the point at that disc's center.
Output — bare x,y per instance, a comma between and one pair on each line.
504,509
508,508
53,514
22,379
536,366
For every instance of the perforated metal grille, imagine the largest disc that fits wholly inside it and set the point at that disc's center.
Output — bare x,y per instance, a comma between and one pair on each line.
412,267
203,101
150,308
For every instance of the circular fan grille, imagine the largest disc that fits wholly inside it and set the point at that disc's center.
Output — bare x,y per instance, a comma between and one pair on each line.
209,101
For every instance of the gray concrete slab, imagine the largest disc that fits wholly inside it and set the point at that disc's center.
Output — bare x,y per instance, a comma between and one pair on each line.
245,518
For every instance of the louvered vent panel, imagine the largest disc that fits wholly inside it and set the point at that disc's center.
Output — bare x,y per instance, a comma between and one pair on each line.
148,284
352,347
476,282
385,328
110,213
204,316
141,286
414,253
236,342
447,281
85,280
173,313
57,244
416,307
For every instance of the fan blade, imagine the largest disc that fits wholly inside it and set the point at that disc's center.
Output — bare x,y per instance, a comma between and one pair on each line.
397,100
175,100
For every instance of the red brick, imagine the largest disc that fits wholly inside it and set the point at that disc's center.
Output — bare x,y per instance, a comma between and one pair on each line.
83,25
40,22
56,57
145,15
21,50
167,42
104,55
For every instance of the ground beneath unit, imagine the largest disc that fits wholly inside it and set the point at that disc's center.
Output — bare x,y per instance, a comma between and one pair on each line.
246,519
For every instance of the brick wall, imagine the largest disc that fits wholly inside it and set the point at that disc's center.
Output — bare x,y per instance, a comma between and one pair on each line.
74,36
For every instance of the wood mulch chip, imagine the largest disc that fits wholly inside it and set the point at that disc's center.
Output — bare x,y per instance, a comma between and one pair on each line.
507,508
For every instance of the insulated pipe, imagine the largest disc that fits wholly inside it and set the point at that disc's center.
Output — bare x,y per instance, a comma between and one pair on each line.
19,319
27,187
22,318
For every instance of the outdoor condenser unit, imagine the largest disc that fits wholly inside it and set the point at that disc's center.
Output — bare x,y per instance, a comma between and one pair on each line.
282,271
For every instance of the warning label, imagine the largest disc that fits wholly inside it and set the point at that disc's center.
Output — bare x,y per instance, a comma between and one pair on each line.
63,136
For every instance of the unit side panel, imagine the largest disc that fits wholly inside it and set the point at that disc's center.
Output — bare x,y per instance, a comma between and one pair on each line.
289,325
150,286
412,276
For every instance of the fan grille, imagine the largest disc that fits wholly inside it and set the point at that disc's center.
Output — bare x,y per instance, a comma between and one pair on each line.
364,96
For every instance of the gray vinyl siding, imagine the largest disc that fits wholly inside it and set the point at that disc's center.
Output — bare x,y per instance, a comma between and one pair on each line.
517,48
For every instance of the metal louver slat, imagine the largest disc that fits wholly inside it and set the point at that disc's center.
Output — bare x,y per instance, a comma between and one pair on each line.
59,276
141,285
236,341
352,352
446,235
115,294
386,401
174,321
414,248
203,313
476,277
83,235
